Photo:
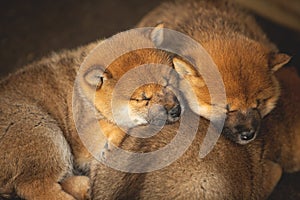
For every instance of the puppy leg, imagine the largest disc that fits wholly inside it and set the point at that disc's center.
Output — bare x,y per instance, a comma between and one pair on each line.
112,132
34,158
77,186
273,172
41,190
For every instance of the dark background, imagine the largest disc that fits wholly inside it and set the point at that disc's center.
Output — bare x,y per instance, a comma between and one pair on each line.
31,29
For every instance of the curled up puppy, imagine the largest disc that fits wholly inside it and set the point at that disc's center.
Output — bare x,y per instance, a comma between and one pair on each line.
42,156
123,105
245,58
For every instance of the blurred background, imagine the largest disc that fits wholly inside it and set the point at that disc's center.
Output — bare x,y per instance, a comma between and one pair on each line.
32,29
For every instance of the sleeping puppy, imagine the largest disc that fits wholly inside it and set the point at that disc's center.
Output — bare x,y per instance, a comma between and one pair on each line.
229,171
246,60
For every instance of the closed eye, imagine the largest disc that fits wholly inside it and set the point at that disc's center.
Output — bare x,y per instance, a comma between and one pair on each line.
135,99
100,83
231,111
259,102
144,97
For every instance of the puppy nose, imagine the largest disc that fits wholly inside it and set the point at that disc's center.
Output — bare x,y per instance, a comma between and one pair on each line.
247,135
175,111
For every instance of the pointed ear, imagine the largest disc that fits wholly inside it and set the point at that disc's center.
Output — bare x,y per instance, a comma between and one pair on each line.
157,34
95,76
188,72
277,60
183,68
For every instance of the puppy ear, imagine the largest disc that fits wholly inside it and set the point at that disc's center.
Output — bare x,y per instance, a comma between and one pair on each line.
183,68
278,60
157,34
96,76
188,72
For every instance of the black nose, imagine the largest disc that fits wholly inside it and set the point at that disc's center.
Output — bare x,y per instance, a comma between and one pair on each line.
175,111
247,135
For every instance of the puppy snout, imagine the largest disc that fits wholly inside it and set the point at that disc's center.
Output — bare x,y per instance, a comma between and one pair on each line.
175,111
242,128
247,135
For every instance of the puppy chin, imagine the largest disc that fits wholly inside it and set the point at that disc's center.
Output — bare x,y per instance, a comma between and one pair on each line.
131,122
138,121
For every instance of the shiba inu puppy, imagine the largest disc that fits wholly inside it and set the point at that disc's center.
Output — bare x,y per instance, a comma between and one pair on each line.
148,103
229,171
245,58
40,150
39,145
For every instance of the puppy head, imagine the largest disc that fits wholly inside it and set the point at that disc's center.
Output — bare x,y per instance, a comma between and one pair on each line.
247,69
148,101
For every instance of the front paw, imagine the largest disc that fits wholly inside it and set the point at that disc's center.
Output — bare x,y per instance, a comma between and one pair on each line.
77,186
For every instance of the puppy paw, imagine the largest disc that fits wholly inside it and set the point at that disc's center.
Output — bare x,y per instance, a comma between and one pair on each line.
77,186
